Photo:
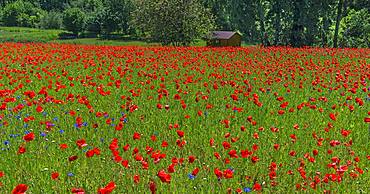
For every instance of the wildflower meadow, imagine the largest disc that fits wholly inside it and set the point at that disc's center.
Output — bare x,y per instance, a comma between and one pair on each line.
112,119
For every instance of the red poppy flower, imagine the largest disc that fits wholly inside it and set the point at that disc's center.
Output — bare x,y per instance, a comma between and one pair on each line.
20,189
81,143
166,178
72,158
125,163
226,145
39,109
257,187
152,187
180,133
191,159
164,144
332,117
228,174
218,172
136,179
29,137
21,150
233,154
63,146
54,175
195,172
136,136
90,153
171,168
78,190
108,188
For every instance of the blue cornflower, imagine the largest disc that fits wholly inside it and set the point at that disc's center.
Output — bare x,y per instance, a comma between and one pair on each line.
70,174
43,134
25,125
44,113
84,124
55,119
14,135
191,176
125,120
61,131
247,189
6,142
27,132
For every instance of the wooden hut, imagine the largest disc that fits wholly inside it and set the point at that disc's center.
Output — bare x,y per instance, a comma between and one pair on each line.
224,38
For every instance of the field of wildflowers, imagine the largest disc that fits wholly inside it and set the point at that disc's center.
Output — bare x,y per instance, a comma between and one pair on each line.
95,119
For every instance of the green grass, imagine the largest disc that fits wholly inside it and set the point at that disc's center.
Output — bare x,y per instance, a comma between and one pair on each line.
21,34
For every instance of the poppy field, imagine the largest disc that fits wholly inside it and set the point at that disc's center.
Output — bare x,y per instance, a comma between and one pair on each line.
103,119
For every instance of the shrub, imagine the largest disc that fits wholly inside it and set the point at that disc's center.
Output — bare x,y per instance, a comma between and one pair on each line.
355,29
73,20
21,13
52,20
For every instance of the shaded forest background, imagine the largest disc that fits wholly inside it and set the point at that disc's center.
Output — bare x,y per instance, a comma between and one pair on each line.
325,23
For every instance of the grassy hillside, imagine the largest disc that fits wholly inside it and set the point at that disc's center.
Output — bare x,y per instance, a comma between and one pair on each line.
20,34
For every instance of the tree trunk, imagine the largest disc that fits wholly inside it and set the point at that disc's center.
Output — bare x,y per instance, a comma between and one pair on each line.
339,15
261,15
297,31
325,27
277,23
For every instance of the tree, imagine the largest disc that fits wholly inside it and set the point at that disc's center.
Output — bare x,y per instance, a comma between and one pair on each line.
355,29
172,22
116,15
261,18
52,20
94,12
297,31
53,5
73,20
221,10
21,13
339,15
243,19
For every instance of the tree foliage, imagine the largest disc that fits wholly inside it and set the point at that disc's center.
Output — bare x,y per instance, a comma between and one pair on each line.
175,22
355,29
74,20
21,13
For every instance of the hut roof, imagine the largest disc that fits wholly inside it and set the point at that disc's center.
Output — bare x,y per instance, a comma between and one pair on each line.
222,34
